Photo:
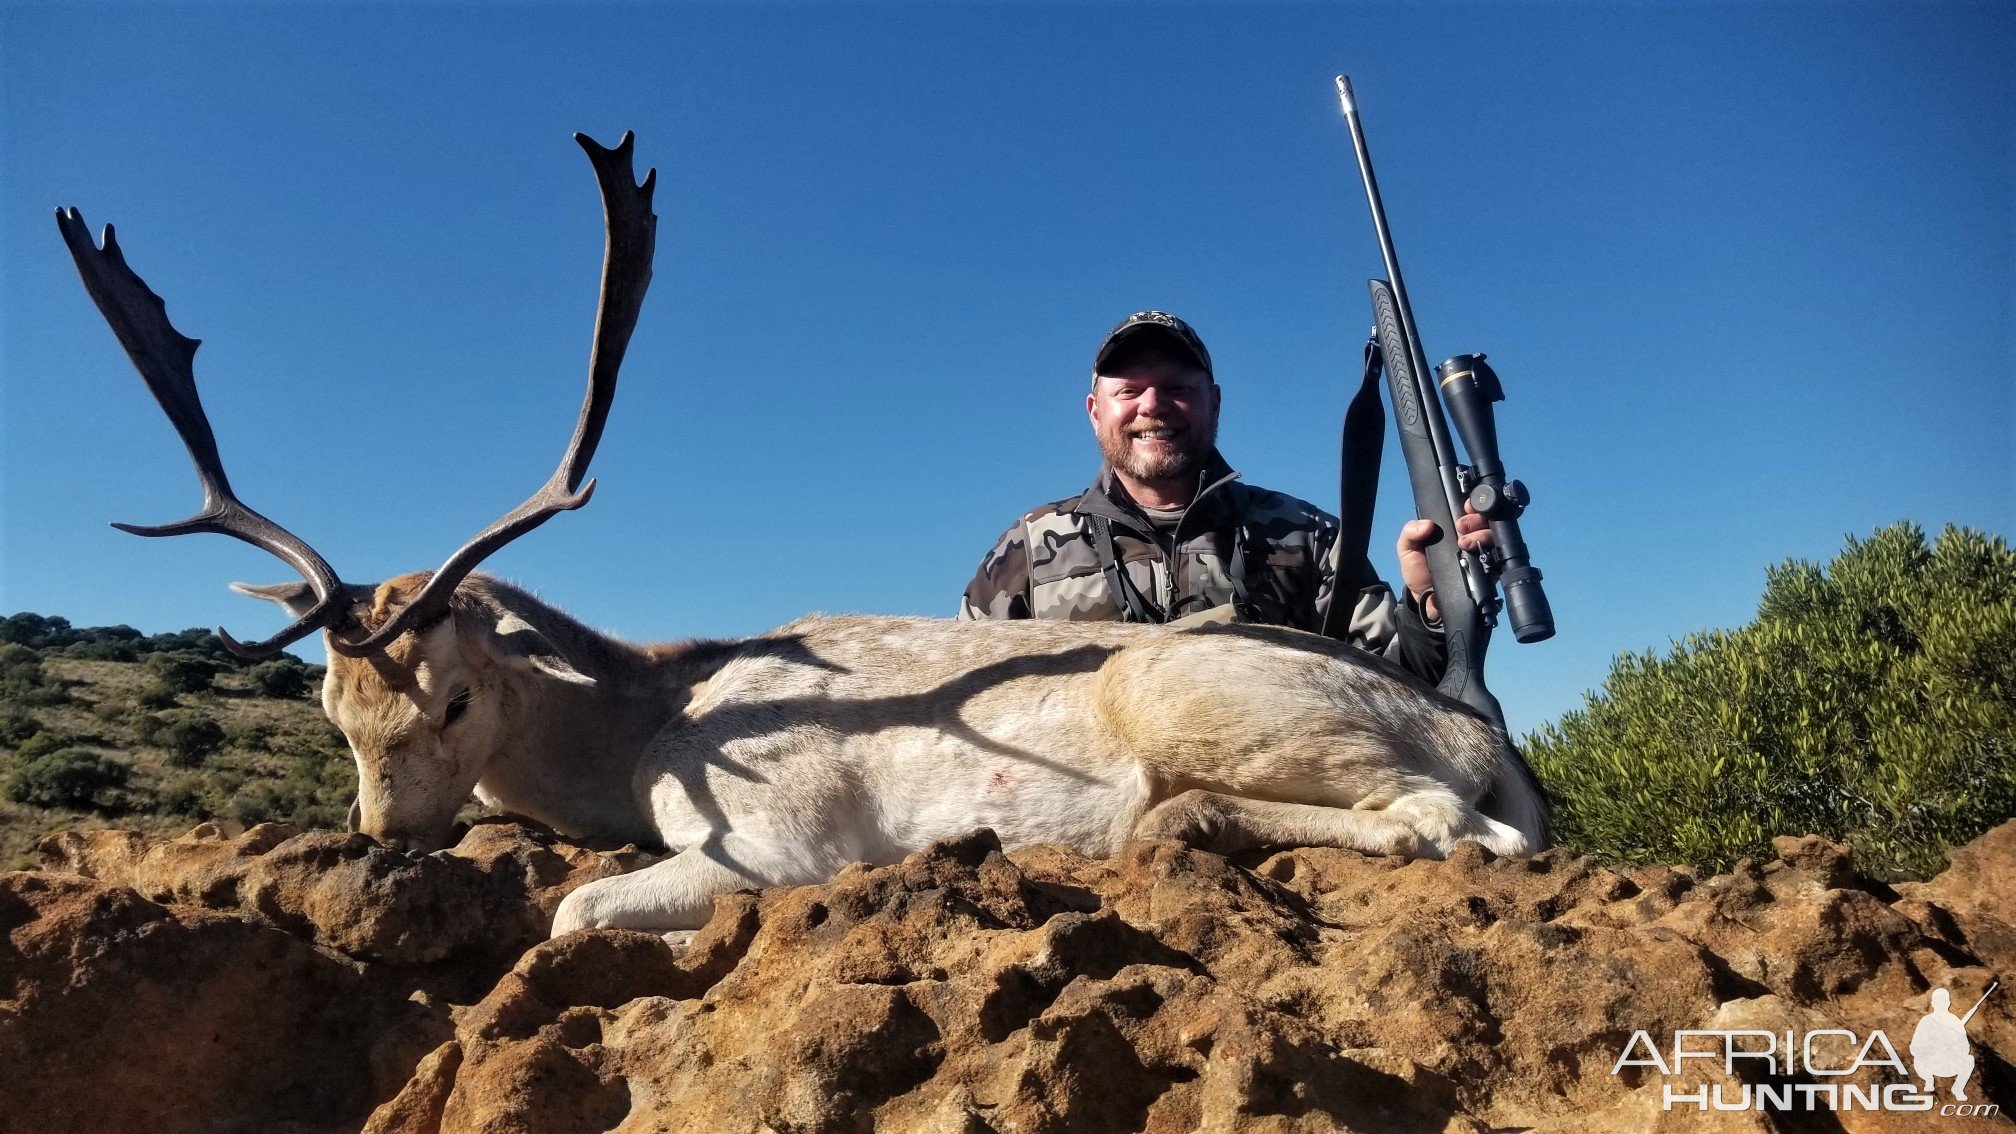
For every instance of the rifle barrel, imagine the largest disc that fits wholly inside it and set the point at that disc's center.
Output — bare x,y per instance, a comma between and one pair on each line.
1978,1003
1472,573
1386,251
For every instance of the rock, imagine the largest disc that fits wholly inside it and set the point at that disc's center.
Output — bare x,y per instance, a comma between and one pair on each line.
1169,989
1829,864
118,1013
494,893
1971,899
419,1103
966,989
262,979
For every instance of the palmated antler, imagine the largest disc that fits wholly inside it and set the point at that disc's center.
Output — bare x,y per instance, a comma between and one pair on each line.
626,273
164,357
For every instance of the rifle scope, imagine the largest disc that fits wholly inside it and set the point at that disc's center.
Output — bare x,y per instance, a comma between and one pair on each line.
1469,386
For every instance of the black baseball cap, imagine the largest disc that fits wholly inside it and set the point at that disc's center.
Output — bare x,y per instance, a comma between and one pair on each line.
1146,325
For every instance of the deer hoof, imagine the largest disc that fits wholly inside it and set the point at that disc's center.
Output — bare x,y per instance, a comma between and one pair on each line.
1195,818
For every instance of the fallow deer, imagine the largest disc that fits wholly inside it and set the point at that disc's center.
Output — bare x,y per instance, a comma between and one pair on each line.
777,759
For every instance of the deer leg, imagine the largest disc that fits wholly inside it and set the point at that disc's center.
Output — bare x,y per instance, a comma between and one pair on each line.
676,894
1418,825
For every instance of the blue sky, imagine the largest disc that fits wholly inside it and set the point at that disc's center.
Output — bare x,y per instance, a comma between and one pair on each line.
1746,272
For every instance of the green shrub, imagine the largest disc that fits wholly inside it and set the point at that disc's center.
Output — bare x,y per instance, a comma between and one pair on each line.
34,631
17,726
298,802
103,649
187,736
254,804
22,679
183,795
20,664
196,641
182,671
155,697
69,777
252,736
1872,701
283,677
42,744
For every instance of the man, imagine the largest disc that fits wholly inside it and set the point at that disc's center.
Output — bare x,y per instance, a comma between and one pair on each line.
1167,532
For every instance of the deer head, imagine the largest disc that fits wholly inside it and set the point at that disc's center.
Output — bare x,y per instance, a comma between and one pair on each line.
427,715
412,658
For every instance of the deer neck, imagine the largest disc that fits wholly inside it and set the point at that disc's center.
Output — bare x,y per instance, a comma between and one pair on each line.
570,758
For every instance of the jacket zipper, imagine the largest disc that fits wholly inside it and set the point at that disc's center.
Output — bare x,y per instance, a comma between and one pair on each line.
1170,559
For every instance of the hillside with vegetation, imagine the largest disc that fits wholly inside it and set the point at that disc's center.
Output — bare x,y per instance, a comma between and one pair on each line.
106,726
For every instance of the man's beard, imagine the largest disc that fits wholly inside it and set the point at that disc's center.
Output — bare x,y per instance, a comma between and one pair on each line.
1185,458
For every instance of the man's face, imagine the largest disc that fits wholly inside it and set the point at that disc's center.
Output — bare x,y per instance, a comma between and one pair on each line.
1156,417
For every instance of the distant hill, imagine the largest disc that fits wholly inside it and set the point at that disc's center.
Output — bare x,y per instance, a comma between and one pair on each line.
104,726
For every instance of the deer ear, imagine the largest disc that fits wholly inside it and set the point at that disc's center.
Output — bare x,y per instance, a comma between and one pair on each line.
298,598
521,644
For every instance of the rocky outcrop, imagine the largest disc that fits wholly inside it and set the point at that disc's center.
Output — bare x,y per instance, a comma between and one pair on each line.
272,981
319,982
495,893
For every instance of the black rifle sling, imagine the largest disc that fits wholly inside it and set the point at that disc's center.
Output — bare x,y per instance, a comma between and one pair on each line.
1363,447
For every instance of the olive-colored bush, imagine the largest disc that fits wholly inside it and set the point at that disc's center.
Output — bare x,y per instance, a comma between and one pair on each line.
23,680
20,664
71,777
16,725
1872,701
42,743
155,697
251,736
283,677
182,671
105,649
187,736
291,800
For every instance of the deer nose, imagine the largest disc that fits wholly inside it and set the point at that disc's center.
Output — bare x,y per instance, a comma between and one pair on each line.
404,844
407,841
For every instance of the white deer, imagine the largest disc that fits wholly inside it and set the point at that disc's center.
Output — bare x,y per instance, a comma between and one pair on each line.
778,759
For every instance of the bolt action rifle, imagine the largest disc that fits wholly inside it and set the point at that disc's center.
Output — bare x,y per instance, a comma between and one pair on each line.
1466,584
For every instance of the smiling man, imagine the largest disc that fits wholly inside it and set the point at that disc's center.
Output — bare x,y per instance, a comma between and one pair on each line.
1167,531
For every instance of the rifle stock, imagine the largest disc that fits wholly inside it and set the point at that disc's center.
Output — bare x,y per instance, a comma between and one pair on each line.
1416,416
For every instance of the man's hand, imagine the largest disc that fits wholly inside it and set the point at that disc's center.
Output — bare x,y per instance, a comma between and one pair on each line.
1473,533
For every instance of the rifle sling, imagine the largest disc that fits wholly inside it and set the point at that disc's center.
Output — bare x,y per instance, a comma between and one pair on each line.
1363,447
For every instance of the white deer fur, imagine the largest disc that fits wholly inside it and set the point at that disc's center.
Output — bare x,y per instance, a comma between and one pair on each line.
777,760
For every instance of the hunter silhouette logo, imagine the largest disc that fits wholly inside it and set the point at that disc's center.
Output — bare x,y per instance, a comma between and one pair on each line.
1939,1050
1939,1047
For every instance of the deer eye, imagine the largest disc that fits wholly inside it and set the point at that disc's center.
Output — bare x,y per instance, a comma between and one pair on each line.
457,705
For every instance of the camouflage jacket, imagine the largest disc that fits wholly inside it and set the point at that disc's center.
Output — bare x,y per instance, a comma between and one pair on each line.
1096,557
